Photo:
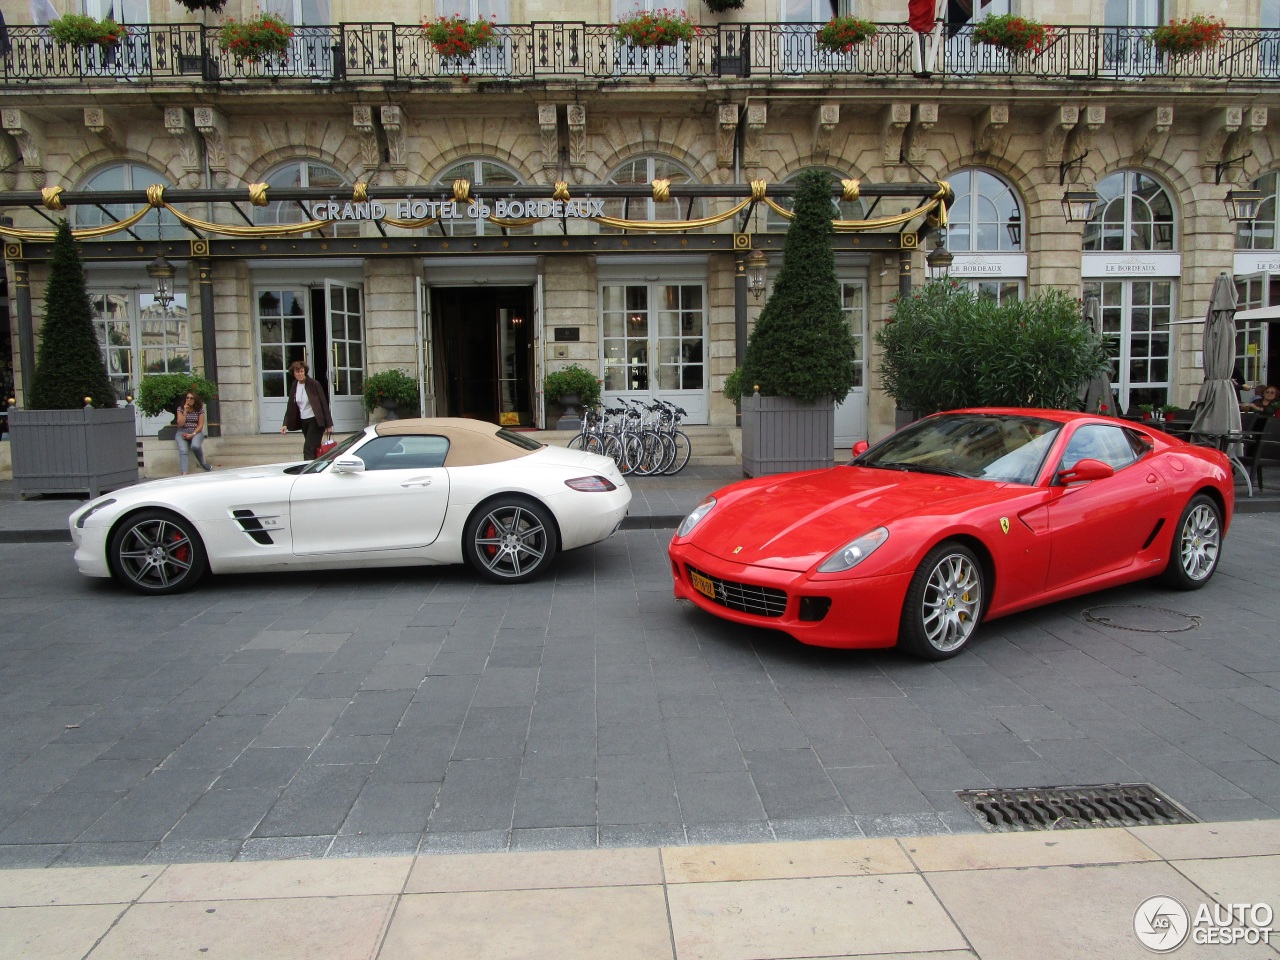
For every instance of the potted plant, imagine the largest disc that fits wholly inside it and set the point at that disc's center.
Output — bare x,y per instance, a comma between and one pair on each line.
161,393
81,30
570,386
1013,33
842,34
656,28
456,37
265,35
72,437
392,390
723,6
1170,411
800,356
1146,409
1179,38
945,347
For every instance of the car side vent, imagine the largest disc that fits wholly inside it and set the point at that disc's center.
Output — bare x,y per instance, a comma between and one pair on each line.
1154,533
253,527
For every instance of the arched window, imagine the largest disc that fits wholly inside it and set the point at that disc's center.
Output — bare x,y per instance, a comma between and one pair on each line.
304,173
840,209
1135,213
125,176
642,171
984,208
1260,234
479,172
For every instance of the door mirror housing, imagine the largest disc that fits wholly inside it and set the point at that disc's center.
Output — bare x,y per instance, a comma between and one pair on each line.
348,465
860,448
1084,471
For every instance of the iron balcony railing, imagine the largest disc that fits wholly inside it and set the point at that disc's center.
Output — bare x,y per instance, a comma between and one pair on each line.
386,52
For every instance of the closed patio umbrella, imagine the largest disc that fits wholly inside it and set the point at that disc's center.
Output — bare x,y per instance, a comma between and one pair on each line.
1218,404
1097,392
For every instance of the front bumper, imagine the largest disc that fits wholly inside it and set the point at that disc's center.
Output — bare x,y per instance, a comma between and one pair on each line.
864,611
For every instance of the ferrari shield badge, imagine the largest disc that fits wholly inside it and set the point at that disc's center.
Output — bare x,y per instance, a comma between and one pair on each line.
1004,524
737,550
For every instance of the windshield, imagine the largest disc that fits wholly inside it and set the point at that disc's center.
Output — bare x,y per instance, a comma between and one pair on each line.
1004,448
321,463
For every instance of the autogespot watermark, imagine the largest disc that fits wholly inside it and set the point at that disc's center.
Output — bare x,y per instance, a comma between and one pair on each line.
1163,924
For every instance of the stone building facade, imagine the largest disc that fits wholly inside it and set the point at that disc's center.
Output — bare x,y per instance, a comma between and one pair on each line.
479,311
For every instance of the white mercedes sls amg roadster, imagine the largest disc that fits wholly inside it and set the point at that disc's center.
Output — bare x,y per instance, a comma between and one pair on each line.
399,493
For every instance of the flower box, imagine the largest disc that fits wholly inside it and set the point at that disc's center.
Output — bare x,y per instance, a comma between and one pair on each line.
842,34
80,30
455,37
656,28
1180,38
263,36
1013,33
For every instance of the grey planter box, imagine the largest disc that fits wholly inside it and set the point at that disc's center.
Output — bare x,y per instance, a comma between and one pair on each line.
73,451
781,435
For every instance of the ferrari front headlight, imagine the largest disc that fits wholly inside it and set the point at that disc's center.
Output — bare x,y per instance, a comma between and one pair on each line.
854,552
80,520
692,520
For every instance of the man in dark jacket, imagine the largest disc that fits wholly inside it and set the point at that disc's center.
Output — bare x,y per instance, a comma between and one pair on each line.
307,410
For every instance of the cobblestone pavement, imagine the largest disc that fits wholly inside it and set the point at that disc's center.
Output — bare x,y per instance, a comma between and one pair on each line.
420,711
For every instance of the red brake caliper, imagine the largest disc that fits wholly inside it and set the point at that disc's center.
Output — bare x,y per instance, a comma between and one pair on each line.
183,553
489,533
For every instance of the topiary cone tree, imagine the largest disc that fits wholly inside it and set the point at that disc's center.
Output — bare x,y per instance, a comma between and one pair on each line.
801,346
69,366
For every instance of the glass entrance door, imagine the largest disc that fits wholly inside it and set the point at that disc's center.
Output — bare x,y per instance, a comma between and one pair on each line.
851,415
345,317
138,336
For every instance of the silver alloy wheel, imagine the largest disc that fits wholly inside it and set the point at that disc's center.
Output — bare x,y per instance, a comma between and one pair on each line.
1199,542
952,602
510,541
156,554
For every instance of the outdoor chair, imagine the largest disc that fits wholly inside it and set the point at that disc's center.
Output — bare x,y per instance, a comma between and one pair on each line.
1266,450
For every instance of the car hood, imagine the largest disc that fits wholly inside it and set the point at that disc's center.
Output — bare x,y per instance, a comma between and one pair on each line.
795,521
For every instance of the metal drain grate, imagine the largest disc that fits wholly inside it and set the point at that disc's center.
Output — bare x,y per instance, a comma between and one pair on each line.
1073,808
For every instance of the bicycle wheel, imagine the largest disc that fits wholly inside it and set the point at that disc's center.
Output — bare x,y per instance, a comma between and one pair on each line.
684,450
631,451
580,442
668,453
595,444
650,455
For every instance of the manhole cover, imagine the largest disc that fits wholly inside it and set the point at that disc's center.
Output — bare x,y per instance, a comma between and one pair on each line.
1072,808
1143,619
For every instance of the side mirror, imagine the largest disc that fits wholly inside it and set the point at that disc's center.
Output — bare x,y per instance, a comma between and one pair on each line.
348,465
860,448
1086,470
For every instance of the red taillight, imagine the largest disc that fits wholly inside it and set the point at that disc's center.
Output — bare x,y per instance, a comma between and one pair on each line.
590,484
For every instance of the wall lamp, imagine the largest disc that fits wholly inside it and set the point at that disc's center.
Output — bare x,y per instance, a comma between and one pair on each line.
757,273
1242,203
1078,204
1014,226
940,258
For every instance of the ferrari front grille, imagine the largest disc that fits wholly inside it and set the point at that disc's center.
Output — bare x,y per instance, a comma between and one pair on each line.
744,597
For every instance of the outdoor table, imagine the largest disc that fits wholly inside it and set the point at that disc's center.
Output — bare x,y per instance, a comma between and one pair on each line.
1224,442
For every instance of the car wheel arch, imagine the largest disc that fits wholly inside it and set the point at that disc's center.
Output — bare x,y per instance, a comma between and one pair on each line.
133,511
518,495
980,550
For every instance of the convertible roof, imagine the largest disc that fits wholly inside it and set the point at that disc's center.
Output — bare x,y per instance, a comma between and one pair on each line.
471,442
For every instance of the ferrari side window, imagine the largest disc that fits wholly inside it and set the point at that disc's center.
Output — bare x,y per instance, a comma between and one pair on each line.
1097,441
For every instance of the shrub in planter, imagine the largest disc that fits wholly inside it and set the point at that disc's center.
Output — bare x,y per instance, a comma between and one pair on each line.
656,28
80,30
1179,38
69,366
1013,33
455,37
573,380
394,387
842,34
162,392
723,6
261,36
945,347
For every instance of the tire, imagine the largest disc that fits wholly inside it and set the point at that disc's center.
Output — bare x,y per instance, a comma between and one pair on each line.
611,447
579,442
683,450
944,603
156,552
1197,545
627,453
651,455
510,540
594,445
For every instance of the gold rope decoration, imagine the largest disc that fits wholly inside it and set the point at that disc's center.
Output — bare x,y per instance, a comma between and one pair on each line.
462,190
758,188
661,191
155,195
851,189
52,198
561,191
360,193
88,233
672,226
258,194
228,230
943,196
409,224
937,201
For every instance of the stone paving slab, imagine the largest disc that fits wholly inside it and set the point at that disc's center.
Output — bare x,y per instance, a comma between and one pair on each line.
1061,895
386,713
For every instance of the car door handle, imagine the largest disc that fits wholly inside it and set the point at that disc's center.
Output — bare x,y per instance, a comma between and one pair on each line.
417,482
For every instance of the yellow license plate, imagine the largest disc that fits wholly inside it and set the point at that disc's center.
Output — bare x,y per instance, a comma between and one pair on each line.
702,584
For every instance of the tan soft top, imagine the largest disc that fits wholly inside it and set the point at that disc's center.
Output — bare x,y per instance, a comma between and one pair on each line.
471,442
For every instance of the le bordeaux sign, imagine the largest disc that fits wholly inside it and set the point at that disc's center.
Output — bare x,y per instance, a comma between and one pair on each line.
502,209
